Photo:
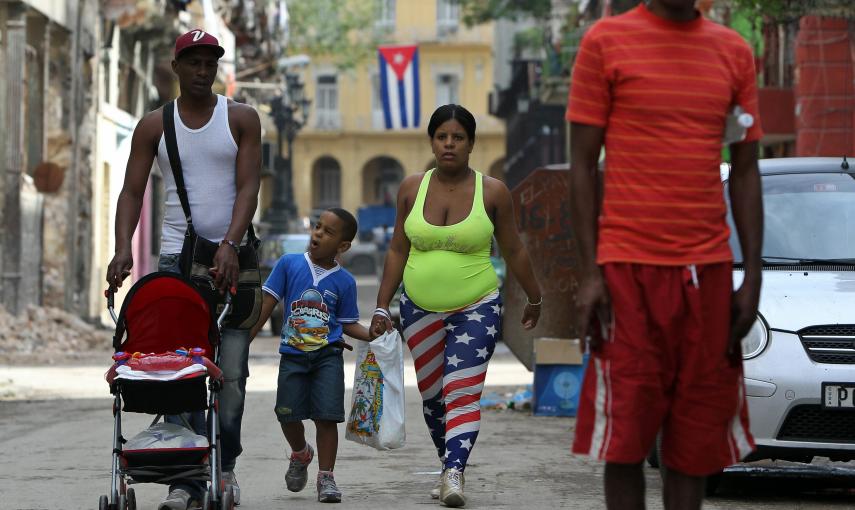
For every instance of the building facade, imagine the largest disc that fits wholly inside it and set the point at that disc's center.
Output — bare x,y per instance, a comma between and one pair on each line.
77,75
346,157
46,107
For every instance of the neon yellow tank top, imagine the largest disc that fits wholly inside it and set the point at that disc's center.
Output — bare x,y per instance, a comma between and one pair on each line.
449,266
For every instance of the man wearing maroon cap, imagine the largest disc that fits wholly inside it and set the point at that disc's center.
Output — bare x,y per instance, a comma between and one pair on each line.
197,38
219,143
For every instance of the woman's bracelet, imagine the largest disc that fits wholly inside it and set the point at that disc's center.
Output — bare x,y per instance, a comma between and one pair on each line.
383,312
529,303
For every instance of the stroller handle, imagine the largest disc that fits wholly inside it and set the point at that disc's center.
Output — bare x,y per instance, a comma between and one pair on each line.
226,309
110,294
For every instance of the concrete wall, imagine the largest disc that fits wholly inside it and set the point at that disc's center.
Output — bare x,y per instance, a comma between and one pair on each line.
36,114
114,128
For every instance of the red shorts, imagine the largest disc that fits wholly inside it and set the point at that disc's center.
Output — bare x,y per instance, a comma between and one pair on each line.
665,367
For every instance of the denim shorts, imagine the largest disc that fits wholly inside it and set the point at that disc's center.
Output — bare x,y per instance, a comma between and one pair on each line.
311,386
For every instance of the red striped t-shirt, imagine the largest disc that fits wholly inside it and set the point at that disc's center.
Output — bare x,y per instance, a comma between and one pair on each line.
662,90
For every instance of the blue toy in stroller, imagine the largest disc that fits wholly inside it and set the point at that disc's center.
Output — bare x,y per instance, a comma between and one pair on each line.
163,332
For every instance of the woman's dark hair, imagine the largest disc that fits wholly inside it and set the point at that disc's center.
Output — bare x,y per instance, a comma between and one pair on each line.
452,111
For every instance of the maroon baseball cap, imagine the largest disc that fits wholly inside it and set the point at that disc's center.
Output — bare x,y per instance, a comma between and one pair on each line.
196,38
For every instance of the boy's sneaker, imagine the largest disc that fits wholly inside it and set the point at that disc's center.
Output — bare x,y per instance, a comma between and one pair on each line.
178,499
434,493
298,469
229,479
327,490
451,491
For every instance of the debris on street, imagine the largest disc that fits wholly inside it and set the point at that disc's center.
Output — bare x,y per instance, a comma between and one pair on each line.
47,335
519,400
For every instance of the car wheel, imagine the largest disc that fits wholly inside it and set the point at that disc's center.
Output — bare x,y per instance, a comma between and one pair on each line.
713,481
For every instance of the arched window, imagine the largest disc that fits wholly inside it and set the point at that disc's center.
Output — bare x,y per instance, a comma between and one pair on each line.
327,183
381,178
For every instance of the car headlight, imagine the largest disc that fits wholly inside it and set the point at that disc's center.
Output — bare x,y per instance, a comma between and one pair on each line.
756,340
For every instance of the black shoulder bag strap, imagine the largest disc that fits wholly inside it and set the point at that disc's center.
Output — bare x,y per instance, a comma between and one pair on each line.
175,158
178,173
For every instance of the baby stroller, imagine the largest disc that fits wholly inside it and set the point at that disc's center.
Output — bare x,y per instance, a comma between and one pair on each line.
164,313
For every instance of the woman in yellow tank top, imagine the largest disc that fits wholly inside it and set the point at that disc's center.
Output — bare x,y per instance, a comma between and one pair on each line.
451,308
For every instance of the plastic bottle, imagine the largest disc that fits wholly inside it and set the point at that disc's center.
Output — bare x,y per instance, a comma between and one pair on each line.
744,118
736,125
196,353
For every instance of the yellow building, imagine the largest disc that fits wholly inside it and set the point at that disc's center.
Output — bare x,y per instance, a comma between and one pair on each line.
345,157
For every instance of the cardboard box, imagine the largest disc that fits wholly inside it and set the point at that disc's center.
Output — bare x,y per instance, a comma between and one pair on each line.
559,368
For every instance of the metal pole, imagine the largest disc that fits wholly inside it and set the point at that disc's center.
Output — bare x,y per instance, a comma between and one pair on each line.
282,212
275,216
16,40
289,182
279,198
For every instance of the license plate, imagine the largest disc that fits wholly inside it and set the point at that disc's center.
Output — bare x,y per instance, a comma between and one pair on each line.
838,395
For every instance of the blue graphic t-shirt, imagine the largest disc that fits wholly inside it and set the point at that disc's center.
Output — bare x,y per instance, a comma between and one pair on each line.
317,302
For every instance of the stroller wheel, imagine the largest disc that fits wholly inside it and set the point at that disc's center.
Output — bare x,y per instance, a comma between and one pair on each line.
132,499
227,502
206,501
103,503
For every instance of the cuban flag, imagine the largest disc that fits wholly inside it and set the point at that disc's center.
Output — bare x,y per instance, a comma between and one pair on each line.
399,86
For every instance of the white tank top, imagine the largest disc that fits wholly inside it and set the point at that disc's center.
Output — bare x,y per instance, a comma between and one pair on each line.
208,157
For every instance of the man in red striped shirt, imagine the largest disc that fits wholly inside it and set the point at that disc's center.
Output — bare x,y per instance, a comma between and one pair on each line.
655,85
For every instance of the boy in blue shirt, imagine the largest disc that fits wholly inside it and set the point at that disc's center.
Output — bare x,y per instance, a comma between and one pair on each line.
320,306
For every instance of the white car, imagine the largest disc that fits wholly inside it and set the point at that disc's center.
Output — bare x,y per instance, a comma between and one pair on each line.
799,358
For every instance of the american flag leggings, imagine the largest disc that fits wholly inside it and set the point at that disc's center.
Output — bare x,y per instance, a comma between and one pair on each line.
451,351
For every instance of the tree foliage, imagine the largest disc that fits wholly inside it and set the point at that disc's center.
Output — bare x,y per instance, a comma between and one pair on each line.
476,12
342,30
790,10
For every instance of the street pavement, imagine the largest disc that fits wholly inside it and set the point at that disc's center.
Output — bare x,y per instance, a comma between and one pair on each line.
56,426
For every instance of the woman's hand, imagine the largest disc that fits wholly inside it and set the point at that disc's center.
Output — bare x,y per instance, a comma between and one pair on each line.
379,324
531,314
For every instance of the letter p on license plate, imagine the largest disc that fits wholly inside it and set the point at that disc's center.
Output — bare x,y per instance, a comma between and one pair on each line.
838,395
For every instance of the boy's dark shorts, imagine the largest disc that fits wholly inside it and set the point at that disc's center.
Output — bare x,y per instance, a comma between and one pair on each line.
311,386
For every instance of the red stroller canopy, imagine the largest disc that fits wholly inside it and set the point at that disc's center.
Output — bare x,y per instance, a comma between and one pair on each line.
164,312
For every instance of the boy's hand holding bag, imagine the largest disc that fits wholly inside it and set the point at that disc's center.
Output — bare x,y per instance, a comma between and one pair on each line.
377,407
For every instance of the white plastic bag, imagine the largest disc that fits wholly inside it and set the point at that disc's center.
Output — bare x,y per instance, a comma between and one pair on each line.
166,435
377,405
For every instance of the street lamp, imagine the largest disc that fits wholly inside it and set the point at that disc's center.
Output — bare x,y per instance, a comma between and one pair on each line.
289,112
